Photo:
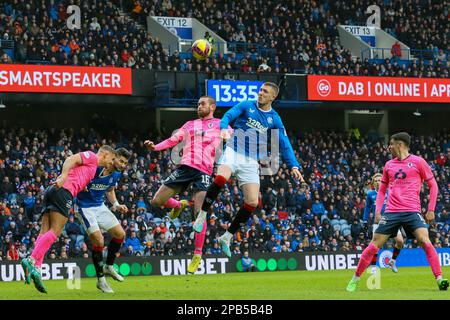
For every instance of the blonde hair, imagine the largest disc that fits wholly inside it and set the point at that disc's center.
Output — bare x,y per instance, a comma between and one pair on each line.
376,175
274,86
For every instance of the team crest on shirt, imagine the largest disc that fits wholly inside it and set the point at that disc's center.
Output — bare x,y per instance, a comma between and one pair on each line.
110,180
269,120
210,125
410,165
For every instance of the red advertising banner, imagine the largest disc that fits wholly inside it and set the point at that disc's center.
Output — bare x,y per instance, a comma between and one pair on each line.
65,79
378,89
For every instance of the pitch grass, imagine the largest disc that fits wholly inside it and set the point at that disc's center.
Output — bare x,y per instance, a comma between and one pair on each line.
408,284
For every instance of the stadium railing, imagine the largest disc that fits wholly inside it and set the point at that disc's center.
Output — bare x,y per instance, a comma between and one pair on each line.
384,53
244,47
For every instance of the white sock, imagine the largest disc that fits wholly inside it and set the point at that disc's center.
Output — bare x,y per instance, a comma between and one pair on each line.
439,278
355,278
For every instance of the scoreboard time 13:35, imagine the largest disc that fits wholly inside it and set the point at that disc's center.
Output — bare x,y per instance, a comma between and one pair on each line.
230,92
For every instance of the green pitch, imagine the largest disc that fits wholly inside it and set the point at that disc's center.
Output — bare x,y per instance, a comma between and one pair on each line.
409,283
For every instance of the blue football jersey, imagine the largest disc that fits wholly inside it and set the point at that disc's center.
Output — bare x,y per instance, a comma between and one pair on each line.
94,194
371,200
254,123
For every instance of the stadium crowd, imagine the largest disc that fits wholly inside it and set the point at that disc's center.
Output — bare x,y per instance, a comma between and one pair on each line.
301,34
325,216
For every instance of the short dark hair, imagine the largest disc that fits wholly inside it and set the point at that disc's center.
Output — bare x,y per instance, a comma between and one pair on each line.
403,137
122,152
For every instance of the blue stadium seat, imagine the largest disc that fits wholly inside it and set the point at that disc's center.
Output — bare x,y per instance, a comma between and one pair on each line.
346,232
334,222
343,221
323,218
337,227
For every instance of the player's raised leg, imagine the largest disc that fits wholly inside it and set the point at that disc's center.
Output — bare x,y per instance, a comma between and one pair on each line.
26,264
223,175
198,198
421,234
251,193
164,197
57,222
377,242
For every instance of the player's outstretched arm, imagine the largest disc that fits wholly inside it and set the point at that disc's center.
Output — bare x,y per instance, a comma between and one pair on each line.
175,139
232,115
70,163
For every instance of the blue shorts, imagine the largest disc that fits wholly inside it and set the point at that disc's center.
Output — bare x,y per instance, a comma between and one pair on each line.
391,222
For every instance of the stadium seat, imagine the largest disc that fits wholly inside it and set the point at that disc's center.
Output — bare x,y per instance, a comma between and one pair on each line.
323,218
337,227
334,222
346,232
343,221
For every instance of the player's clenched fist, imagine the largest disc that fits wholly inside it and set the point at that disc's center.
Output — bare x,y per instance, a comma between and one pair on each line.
225,134
150,145
297,175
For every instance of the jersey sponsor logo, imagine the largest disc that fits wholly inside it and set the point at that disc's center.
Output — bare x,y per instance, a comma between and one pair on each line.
255,124
251,110
86,154
400,175
99,186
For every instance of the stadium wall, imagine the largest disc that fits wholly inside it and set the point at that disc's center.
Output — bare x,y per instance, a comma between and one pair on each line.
213,264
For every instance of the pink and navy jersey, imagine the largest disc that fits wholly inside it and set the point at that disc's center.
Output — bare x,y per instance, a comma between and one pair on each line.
80,176
201,137
404,179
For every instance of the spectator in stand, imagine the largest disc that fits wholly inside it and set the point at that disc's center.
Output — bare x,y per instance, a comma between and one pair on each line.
247,263
396,50
13,253
134,242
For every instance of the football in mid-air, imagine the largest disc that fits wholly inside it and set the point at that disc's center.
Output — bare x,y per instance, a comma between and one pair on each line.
201,49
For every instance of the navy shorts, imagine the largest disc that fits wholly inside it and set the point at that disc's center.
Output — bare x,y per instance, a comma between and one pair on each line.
184,176
59,200
391,222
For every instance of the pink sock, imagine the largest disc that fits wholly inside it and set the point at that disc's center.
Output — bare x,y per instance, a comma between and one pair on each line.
38,240
433,259
200,240
41,248
366,258
172,203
